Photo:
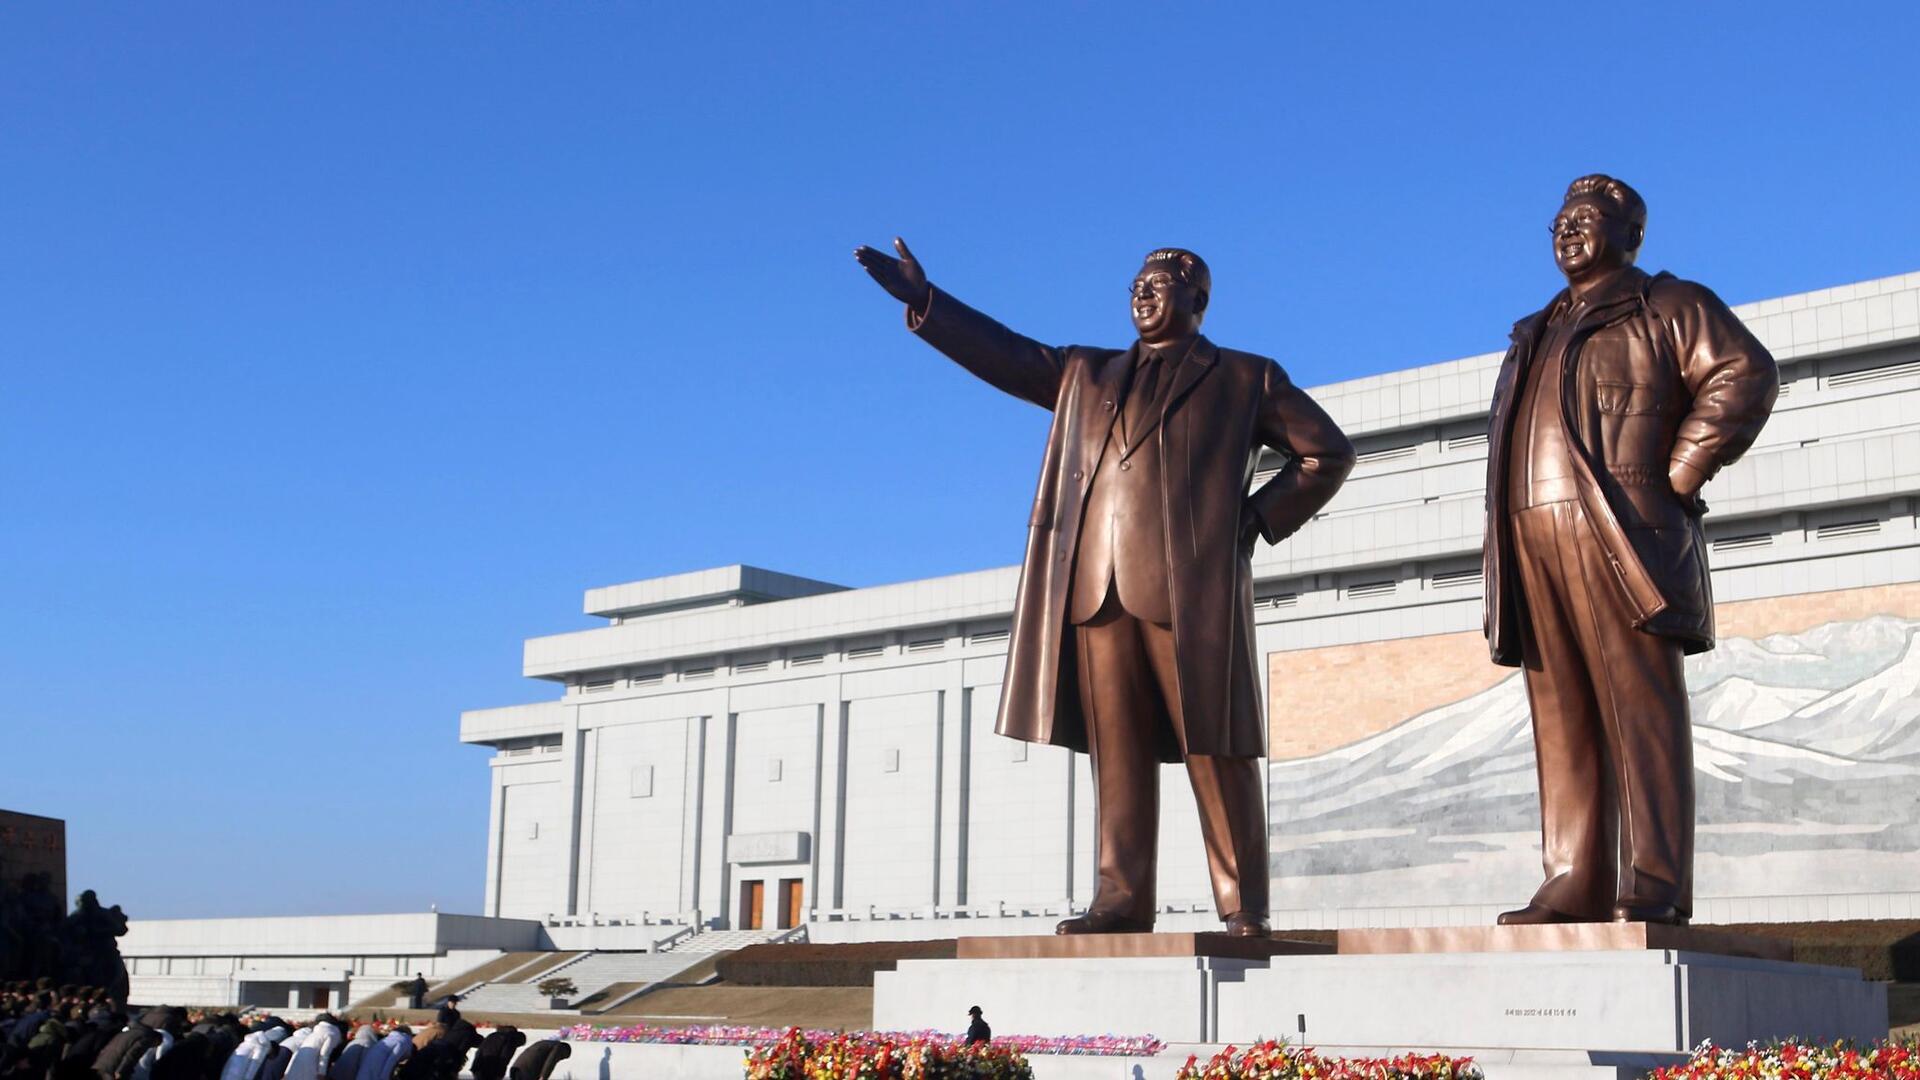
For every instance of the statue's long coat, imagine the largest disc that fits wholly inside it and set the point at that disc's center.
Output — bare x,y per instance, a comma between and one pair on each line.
1220,408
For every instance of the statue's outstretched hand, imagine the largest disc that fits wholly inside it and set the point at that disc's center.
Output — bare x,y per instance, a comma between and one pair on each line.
902,277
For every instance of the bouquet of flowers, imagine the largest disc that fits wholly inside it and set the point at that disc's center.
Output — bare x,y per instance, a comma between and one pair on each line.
1276,1060
1792,1060
867,1056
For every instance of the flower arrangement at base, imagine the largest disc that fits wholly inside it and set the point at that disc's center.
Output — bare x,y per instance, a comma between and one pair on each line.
1276,1060
738,1035
867,1056
1793,1060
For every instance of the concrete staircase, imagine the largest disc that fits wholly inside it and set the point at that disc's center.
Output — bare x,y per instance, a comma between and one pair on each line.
593,972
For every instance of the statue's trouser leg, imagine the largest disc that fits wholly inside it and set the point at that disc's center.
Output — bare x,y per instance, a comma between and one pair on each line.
1611,729
1233,818
1125,716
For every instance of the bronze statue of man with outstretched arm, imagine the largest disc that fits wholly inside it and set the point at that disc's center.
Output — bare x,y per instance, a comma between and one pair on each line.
1133,626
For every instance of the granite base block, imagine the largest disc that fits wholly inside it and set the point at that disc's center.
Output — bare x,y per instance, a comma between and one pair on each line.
1173,997
1643,1001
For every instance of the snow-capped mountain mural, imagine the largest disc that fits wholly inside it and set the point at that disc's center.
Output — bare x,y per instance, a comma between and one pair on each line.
1806,758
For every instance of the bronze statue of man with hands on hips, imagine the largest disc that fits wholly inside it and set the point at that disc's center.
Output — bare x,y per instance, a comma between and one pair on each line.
1615,404
1133,626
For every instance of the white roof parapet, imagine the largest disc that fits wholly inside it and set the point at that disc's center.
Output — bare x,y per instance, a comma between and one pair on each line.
731,586
407,934
511,722
980,594
1826,321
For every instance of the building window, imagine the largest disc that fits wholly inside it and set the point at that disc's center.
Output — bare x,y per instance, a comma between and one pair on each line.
926,645
988,637
750,667
596,686
1877,373
697,673
1371,588
651,679
1453,578
1391,453
806,659
866,652
1743,542
1843,529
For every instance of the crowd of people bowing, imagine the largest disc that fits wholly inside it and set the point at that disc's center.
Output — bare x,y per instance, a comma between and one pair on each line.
80,1033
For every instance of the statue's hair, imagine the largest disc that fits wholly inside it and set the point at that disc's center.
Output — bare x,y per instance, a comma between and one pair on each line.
1618,192
1191,268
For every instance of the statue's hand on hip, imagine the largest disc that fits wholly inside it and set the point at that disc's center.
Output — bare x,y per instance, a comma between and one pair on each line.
903,278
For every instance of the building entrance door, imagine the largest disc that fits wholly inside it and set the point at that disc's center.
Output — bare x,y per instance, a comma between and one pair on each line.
753,901
791,892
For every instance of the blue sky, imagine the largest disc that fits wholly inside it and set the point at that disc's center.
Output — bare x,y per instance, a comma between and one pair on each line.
344,344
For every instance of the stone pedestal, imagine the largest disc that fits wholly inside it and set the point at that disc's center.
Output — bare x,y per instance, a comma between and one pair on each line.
1578,991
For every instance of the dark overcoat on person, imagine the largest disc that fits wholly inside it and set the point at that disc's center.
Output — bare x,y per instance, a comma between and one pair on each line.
1220,408
496,1052
536,1062
1655,369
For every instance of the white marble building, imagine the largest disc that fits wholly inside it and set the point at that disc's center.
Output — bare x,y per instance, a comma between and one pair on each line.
739,746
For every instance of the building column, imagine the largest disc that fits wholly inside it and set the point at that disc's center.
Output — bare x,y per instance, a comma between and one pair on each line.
950,758
716,813
693,812
570,755
496,835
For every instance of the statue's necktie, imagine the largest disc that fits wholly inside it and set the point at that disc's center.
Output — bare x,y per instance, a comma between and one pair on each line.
1144,395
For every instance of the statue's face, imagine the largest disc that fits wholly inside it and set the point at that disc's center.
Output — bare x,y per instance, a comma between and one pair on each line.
1591,237
1164,307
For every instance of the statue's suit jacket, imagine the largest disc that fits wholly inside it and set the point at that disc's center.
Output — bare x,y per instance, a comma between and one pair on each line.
1220,407
1656,368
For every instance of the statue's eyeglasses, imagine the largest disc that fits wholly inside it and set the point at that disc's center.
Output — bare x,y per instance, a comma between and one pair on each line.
1150,285
1581,218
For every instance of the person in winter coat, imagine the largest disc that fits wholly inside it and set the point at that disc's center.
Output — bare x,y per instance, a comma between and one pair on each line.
252,1054
315,1053
187,1060
223,1038
348,1066
123,1052
496,1052
384,1057
536,1062
99,1030
45,1046
169,1023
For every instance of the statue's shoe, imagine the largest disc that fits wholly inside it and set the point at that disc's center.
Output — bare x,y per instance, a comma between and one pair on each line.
1247,924
1103,922
1536,914
1649,913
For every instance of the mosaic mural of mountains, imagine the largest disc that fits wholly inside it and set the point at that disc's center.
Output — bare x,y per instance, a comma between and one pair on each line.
1807,741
